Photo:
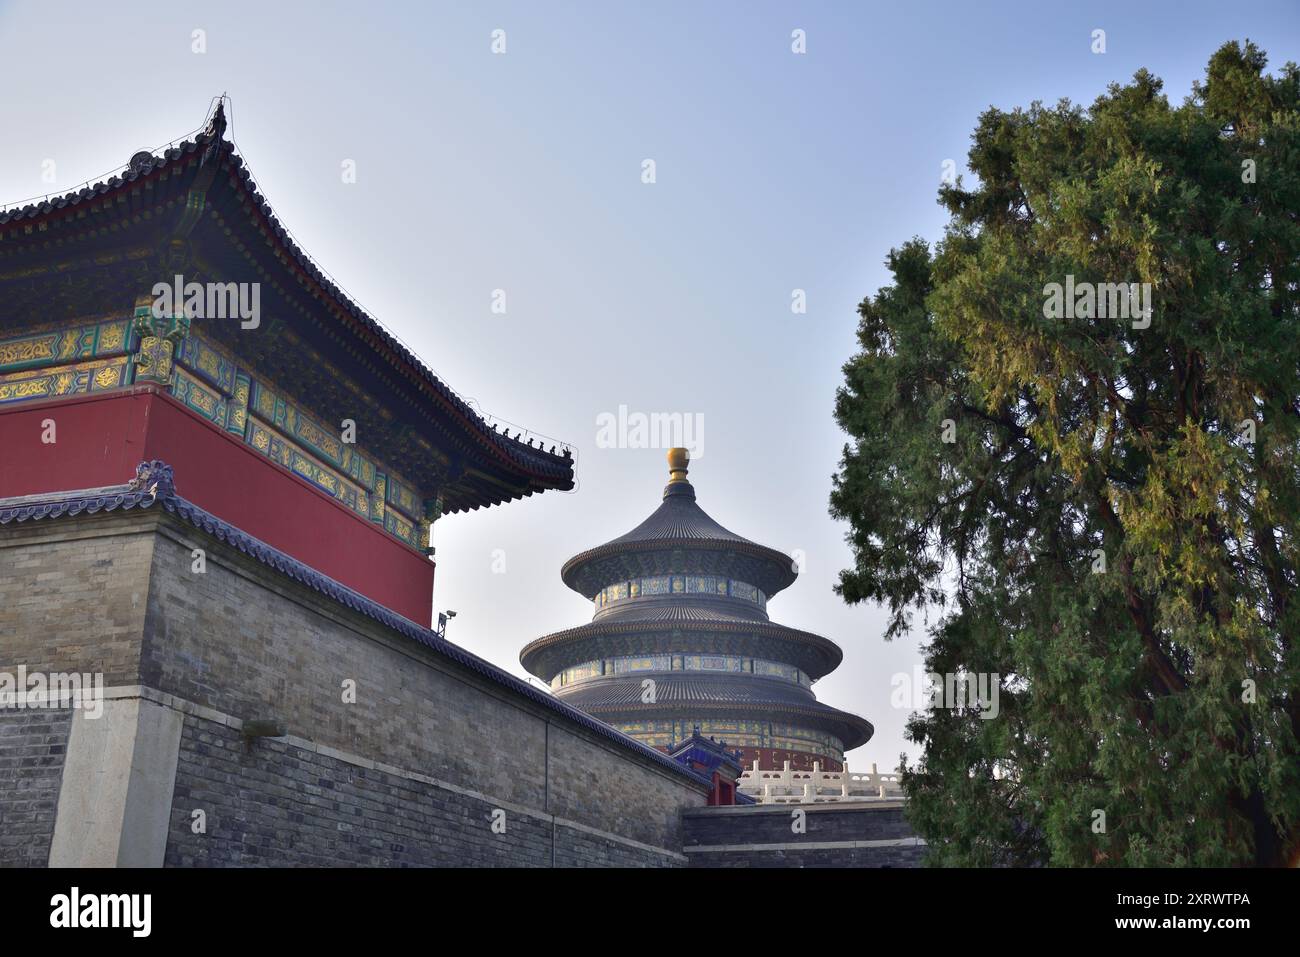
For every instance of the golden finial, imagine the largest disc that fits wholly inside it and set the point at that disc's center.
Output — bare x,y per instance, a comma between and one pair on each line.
677,461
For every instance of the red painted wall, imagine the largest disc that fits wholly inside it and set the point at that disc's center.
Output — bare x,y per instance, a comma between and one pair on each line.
100,441
102,438
773,759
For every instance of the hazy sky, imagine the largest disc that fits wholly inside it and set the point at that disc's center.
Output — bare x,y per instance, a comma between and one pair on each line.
523,172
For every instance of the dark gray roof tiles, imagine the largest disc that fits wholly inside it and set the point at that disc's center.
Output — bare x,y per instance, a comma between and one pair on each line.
748,694
669,609
678,524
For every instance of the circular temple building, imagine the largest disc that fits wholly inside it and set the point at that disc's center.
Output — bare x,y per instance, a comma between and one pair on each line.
680,640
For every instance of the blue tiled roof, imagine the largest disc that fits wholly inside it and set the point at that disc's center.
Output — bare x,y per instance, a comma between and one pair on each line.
154,487
706,751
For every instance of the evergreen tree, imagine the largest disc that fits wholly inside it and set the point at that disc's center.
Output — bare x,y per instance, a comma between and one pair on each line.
1103,510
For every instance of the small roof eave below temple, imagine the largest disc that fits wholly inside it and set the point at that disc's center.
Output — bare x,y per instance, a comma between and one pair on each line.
697,696
544,657
764,568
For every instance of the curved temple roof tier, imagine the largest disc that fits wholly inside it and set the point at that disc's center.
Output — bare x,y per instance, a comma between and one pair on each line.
680,640
298,418
194,210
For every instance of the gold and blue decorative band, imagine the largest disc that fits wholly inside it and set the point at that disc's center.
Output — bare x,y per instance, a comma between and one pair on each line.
65,345
324,443
678,585
208,364
77,379
198,397
724,664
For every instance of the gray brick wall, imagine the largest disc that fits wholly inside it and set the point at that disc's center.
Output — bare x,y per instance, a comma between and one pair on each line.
33,743
73,595
278,804
281,805
762,836
256,648
116,594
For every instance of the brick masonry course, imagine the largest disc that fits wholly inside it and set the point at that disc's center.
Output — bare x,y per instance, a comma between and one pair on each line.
33,743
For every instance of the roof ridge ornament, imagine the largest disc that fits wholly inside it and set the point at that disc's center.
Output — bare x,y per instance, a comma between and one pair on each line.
215,134
155,477
217,125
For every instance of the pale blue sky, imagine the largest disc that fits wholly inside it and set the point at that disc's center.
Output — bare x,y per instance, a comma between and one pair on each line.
522,172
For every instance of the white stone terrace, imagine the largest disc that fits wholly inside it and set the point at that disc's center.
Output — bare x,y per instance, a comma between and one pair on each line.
818,786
